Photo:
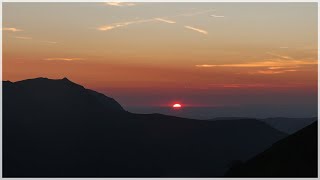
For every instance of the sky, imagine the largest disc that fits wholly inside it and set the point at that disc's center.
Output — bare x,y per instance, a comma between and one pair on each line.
216,59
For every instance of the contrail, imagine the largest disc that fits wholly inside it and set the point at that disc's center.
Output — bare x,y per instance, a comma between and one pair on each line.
117,25
162,19
11,29
195,13
165,20
196,29
22,37
63,59
119,4
216,16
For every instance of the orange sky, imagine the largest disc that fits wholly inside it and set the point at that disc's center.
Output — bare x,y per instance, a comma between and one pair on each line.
200,53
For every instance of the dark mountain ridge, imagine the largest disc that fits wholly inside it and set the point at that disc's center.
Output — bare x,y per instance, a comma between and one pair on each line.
56,128
293,156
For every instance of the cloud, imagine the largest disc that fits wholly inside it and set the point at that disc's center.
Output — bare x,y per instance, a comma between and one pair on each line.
273,71
283,47
279,56
11,29
195,13
105,28
63,59
270,64
197,30
216,16
275,68
165,20
22,37
267,67
162,19
29,38
119,4
51,42
254,85
123,24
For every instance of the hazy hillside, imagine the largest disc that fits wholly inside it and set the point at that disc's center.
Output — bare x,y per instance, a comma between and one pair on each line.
287,125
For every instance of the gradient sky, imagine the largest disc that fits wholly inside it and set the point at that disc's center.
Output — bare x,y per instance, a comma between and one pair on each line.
155,54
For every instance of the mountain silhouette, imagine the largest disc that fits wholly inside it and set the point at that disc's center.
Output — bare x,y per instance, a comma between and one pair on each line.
287,125
56,128
294,156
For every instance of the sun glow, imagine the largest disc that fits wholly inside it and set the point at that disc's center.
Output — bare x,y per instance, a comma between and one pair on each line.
176,106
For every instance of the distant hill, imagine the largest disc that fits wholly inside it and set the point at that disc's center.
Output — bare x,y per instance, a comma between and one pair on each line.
287,125
56,128
294,156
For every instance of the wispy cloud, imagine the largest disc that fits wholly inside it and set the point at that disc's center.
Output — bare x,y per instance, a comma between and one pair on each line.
283,67
161,19
270,64
23,37
30,38
197,30
270,72
63,59
51,42
11,29
194,13
123,24
267,67
279,56
216,16
165,20
254,85
119,4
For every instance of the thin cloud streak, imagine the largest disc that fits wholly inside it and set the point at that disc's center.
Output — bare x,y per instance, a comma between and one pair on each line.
123,24
216,16
195,13
270,72
11,29
63,59
270,64
279,56
30,38
162,19
51,42
197,30
22,37
258,85
119,4
165,20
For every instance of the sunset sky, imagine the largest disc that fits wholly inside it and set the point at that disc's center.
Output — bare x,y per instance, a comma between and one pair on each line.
210,55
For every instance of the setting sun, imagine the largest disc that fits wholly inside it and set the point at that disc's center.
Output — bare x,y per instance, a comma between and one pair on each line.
176,106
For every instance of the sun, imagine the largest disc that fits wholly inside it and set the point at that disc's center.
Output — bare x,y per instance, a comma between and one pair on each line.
176,106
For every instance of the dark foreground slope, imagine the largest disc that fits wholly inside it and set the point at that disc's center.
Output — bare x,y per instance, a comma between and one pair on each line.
56,128
294,156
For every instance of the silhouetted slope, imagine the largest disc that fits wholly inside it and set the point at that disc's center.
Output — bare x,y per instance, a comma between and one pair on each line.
289,125
56,128
294,156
